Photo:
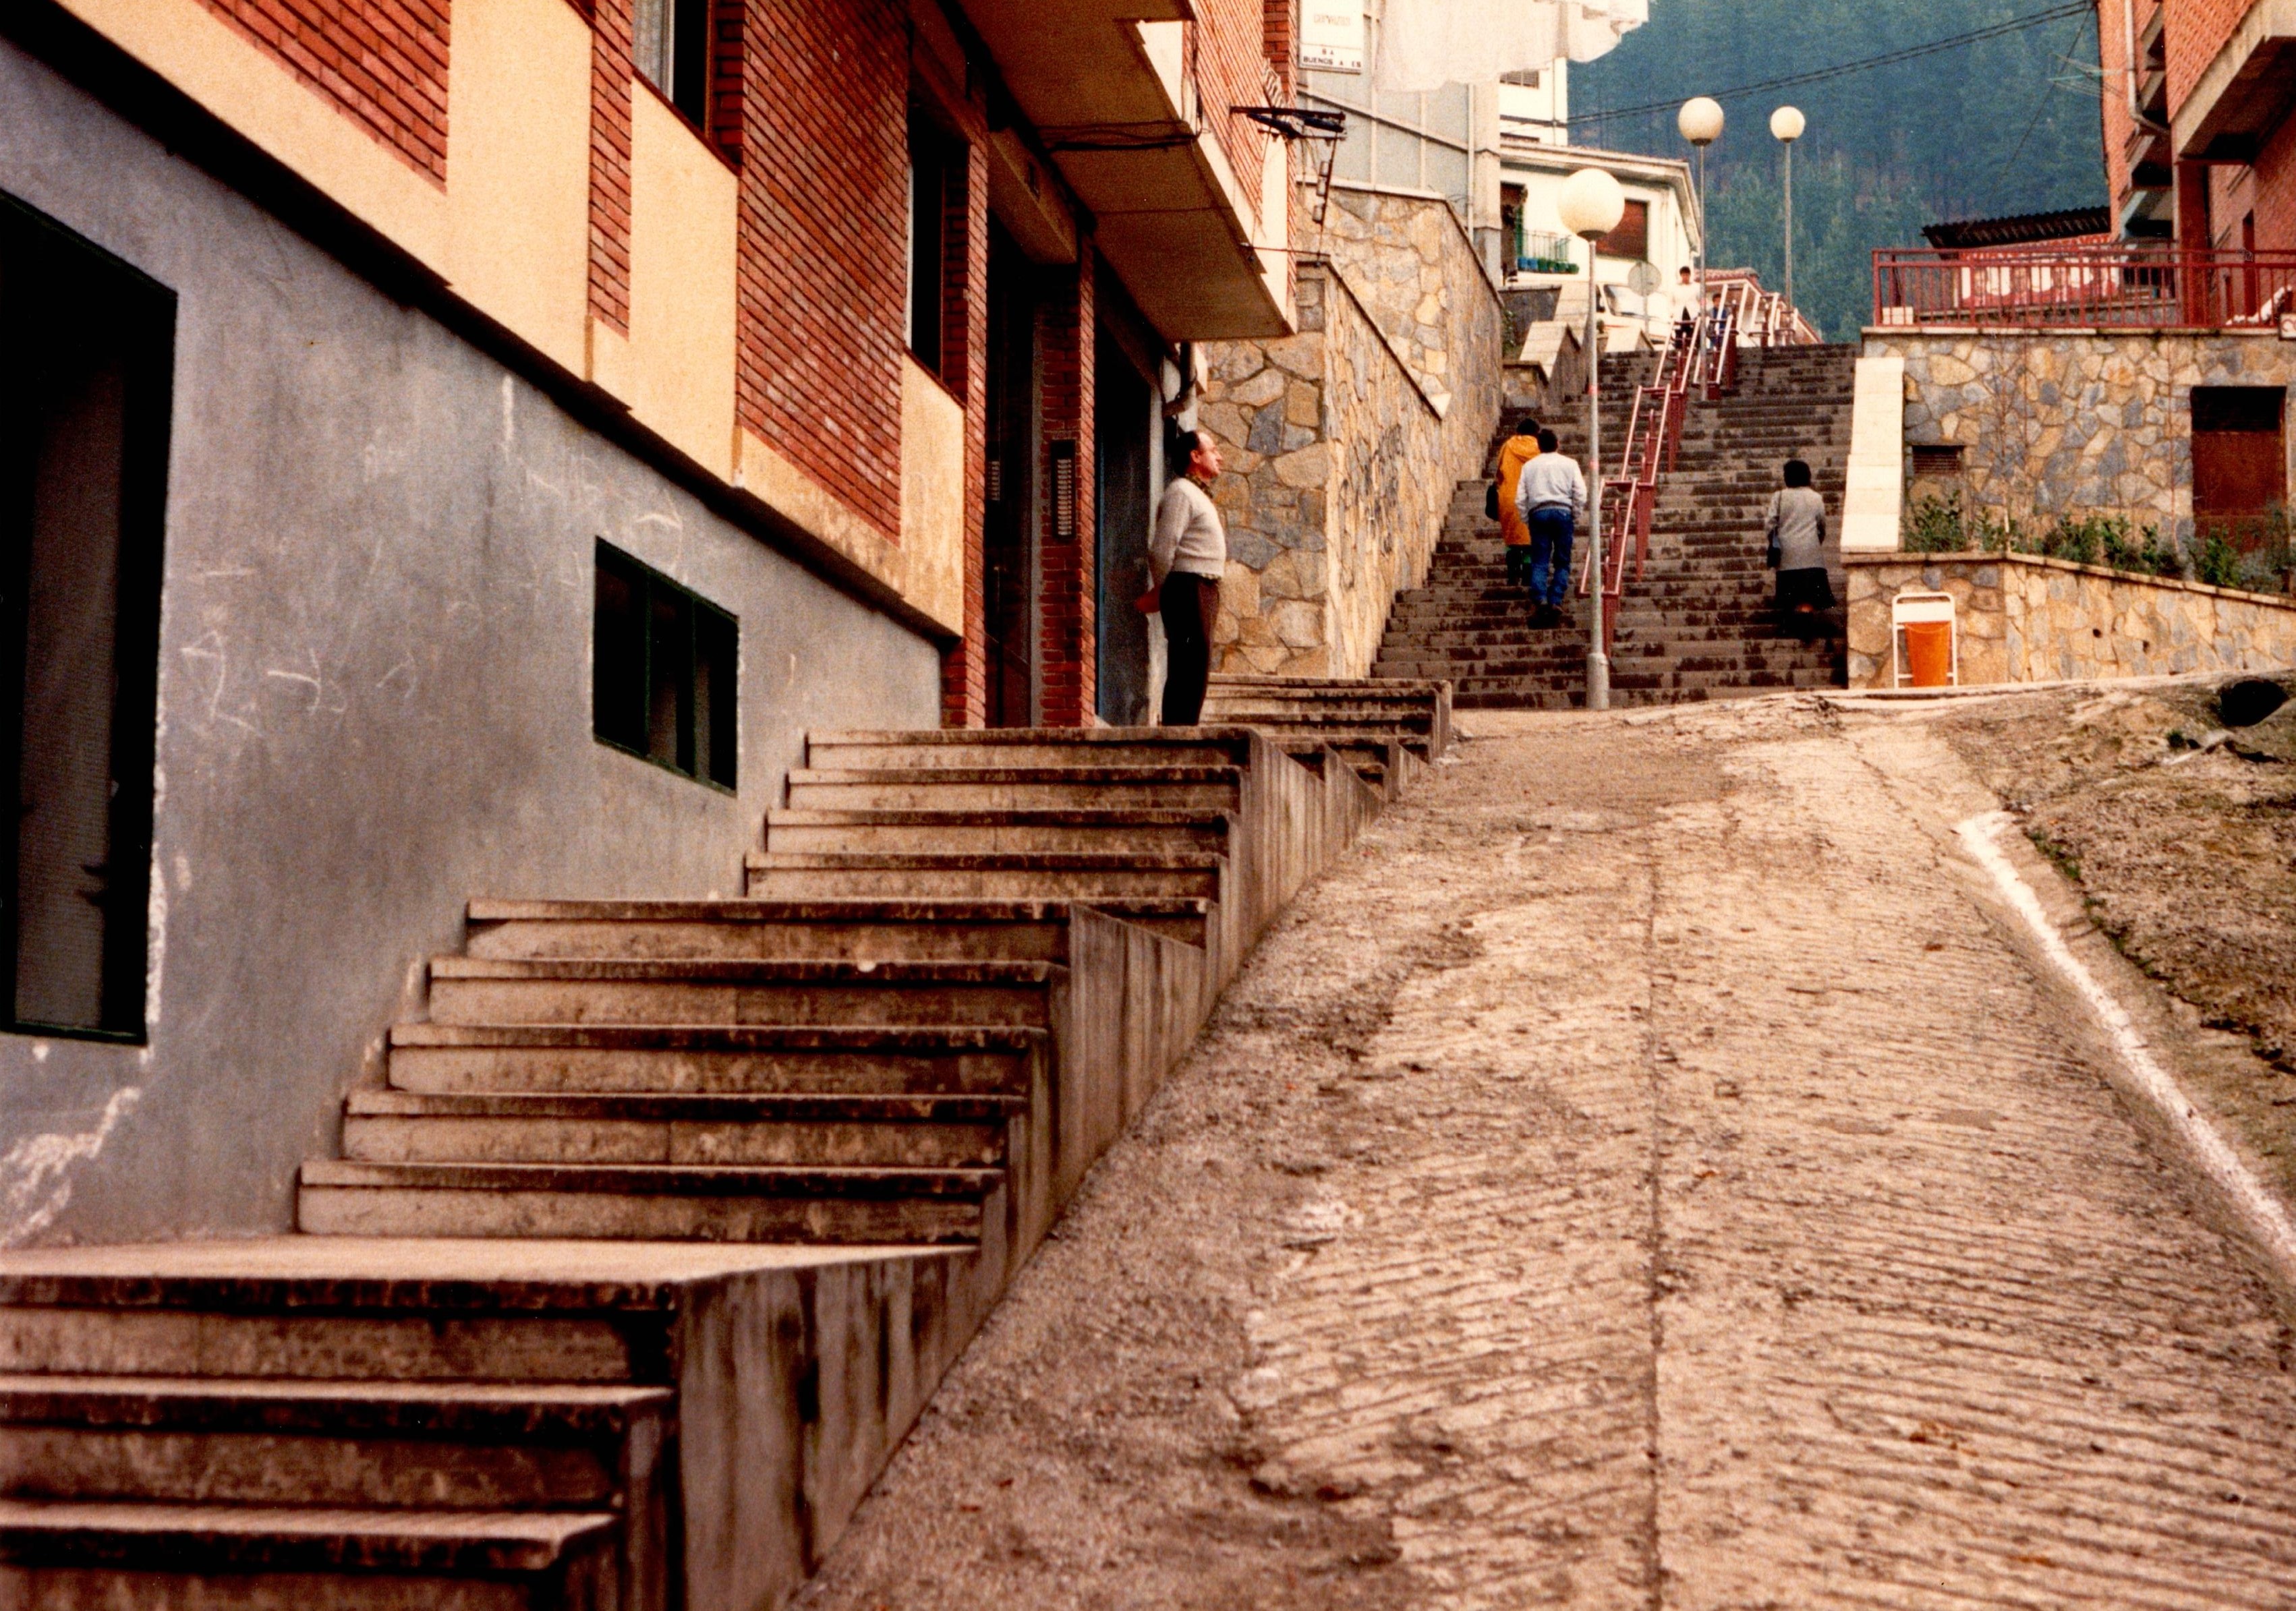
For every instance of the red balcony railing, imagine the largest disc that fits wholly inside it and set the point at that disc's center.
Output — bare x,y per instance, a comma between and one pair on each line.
2108,287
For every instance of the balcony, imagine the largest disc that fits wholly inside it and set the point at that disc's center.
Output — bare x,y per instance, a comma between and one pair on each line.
2101,288
2246,92
1112,90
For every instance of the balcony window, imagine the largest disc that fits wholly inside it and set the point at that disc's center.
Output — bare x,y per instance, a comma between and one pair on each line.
672,43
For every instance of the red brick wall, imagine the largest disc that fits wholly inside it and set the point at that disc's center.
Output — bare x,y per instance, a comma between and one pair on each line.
1280,38
2195,32
1229,42
1069,575
2112,56
614,79
823,240
964,368
2274,197
383,63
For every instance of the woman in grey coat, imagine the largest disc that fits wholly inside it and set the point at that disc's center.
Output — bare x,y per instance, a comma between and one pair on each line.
1796,524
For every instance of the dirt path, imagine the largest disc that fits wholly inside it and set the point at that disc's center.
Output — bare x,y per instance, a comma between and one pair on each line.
1640,1176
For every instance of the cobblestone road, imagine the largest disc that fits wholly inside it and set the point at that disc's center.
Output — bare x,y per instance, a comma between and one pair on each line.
1643,1175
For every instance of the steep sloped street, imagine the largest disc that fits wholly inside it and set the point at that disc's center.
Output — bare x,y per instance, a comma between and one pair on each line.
1651,1171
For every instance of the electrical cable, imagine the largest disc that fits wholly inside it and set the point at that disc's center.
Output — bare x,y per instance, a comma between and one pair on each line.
2014,25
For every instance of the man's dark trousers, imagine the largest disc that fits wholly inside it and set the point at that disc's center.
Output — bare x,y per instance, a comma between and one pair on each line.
1550,554
1190,605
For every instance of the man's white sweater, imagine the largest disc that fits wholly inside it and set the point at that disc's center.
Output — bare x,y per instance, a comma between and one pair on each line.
1550,481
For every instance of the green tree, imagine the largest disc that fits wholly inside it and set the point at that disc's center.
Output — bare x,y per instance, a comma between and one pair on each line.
2005,125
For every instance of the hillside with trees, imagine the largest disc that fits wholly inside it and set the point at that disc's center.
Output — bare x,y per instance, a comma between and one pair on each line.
2003,126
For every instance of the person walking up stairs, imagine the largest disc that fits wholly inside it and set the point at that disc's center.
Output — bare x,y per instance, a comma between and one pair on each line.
1699,623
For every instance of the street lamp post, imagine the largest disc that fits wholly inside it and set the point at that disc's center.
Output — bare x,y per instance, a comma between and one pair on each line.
1700,123
1786,123
1592,204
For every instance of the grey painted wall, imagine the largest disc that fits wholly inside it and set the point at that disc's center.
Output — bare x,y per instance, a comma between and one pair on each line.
375,693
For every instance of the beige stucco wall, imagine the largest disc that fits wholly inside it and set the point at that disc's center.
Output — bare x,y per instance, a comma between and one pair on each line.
2026,619
2075,422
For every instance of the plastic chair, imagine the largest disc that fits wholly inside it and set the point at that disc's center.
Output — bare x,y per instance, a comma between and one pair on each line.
1915,616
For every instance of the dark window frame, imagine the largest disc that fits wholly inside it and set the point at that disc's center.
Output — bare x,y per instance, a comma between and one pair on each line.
688,40
627,682
142,314
935,157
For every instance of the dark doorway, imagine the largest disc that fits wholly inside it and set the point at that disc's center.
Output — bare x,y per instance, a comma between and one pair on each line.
1009,557
87,349
1123,430
2240,464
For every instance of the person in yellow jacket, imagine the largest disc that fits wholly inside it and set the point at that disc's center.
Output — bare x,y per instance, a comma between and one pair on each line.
1517,451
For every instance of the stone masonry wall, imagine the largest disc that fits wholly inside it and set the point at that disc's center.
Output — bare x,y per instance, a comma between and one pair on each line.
2072,423
2026,618
1344,443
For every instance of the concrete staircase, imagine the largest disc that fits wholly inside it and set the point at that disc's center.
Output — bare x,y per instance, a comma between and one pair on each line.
670,1215
1697,625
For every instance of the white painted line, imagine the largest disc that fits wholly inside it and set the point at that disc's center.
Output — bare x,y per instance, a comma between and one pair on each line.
2266,1220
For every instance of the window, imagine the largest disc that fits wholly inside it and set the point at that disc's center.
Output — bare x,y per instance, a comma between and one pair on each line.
663,668
85,383
1631,239
932,160
671,39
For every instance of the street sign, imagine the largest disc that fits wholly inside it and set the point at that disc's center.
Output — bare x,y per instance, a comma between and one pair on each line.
1331,36
1643,279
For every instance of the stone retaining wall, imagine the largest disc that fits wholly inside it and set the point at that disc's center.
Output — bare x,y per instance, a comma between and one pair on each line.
2026,619
2074,422
1341,464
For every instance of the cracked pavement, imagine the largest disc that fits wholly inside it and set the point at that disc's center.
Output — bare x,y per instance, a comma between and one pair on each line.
1643,1174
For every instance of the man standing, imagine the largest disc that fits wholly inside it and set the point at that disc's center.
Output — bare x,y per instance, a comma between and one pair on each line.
1185,558
1552,500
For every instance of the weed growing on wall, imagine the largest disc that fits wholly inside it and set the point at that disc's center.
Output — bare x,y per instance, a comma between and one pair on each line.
2257,554
1943,525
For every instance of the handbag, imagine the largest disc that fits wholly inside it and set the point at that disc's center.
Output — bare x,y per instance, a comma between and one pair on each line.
1491,501
1776,550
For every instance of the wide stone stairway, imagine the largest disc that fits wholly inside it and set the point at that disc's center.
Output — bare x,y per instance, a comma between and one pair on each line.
671,1213
1698,623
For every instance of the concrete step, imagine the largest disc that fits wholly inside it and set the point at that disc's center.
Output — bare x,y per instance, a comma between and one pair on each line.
725,1060
873,1205
74,1557
1017,789
1087,876
987,832
431,1445
573,990
859,930
494,1126
979,748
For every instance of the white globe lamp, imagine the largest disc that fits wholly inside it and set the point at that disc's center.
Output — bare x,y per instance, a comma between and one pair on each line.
1591,205
1786,123
1700,123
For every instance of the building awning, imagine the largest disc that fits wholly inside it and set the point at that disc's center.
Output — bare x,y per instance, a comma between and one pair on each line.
1109,89
2246,92
2025,229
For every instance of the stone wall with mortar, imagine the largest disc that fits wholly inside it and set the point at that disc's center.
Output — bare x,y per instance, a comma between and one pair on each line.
2026,618
2074,422
1345,443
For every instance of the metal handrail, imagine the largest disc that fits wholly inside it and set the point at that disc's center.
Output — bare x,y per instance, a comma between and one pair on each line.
2114,287
1651,443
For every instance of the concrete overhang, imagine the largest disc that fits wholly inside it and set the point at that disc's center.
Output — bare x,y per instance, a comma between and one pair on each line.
2245,94
1105,86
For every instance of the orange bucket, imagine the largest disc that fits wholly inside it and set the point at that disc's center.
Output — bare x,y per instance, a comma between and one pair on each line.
1929,652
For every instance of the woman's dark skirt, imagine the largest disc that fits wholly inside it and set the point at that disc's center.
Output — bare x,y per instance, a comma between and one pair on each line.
1810,587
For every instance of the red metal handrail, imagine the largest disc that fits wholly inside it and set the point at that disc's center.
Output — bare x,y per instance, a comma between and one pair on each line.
1653,439
2108,287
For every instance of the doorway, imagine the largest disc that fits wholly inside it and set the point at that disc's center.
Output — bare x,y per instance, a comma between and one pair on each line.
1124,438
1009,559
86,351
2239,456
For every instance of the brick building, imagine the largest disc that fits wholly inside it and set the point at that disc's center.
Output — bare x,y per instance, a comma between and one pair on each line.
462,444
2199,142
